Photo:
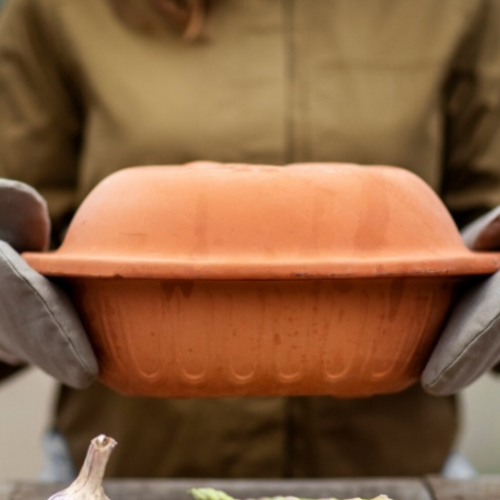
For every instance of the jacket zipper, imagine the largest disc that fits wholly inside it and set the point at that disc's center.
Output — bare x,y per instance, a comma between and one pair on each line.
289,69
288,7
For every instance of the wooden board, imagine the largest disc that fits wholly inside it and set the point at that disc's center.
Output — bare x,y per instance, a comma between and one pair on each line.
6,491
397,489
431,488
480,488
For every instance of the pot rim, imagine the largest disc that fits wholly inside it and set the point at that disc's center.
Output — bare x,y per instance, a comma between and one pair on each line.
461,263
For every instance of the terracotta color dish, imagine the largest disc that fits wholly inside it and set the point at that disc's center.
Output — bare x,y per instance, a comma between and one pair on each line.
226,280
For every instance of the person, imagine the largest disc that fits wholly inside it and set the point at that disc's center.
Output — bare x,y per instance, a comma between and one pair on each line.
90,87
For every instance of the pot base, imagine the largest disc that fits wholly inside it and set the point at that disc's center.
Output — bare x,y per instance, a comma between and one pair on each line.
346,338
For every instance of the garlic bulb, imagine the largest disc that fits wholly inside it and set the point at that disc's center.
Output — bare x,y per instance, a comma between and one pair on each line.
88,484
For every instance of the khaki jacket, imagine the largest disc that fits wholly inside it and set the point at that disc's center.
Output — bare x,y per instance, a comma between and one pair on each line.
412,83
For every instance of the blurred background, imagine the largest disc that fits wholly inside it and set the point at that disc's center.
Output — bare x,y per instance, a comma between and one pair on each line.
26,399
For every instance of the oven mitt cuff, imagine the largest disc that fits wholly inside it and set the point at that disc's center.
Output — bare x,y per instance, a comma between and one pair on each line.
470,342
38,323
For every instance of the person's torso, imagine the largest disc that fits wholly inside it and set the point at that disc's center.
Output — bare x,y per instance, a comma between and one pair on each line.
275,82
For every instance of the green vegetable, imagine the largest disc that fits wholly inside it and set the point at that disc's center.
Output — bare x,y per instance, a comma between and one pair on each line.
209,494
212,494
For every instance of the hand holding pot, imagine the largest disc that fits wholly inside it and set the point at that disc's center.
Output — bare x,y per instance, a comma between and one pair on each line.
470,343
38,323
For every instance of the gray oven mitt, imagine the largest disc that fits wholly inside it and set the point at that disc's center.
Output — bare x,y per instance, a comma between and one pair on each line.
470,342
38,323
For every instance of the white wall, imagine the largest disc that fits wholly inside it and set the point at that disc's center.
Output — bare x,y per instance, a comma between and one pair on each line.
480,439
25,405
26,400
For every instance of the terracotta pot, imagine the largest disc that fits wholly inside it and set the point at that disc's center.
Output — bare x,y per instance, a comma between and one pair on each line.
225,280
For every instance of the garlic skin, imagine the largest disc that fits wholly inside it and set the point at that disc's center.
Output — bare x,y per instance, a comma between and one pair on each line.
88,484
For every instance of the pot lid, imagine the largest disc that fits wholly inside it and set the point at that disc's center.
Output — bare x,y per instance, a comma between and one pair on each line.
229,221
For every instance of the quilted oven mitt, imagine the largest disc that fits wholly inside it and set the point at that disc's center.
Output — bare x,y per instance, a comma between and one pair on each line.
470,343
38,323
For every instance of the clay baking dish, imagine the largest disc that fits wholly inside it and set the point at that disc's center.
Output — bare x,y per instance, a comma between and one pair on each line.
226,280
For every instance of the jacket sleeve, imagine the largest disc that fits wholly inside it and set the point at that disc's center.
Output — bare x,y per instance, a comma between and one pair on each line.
40,121
471,181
